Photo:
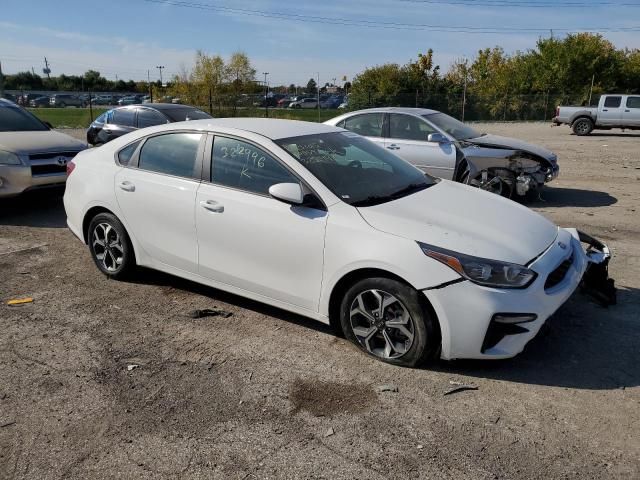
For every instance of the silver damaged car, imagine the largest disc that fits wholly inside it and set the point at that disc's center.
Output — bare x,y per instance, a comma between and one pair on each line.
447,148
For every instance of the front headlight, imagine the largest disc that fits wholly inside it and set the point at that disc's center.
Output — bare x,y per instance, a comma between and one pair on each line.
482,271
8,158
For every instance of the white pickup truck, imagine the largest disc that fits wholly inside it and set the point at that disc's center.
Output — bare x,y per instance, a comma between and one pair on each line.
613,111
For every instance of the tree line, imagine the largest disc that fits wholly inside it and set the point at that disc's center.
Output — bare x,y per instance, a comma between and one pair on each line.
495,85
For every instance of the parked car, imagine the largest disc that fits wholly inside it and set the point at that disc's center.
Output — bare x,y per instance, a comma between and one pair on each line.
447,148
613,111
32,155
285,101
119,121
332,102
348,234
40,102
8,96
24,100
304,103
130,100
104,100
63,100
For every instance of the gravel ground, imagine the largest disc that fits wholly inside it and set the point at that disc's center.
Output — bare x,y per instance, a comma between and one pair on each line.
267,394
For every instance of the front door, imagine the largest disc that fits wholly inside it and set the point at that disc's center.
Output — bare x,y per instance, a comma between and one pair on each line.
251,241
156,193
611,112
408,139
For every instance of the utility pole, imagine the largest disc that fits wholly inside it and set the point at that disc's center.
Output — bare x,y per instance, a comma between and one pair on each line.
1,82
593,79
464,91
160,67
266,92
318,88
46,70
150,89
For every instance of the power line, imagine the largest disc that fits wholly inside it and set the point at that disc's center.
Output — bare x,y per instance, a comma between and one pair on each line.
380,24
526,3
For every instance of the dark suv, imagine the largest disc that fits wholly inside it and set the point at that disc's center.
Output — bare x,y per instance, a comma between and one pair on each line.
115,123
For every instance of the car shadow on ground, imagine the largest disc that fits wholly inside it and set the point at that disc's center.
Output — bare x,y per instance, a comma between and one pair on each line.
571,197
618,134
582,346
42,208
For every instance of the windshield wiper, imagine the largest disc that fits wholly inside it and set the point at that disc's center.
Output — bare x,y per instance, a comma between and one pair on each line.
403,192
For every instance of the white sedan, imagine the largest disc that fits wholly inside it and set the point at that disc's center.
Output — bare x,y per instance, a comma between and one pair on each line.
322,222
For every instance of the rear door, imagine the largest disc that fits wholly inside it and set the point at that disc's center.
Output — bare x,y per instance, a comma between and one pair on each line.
611,111
407,138
369,125
156,193
148,117
631,114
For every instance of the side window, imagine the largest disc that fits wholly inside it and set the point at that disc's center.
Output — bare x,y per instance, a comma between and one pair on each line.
149,118
612,102
407,127
368,125
241,165
173,154
633,102
124,156
125,117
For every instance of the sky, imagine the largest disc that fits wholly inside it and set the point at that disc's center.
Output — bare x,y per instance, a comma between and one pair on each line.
292,40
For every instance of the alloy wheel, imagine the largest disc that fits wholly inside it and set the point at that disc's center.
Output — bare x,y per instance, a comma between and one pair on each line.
382,324
107,247
582,127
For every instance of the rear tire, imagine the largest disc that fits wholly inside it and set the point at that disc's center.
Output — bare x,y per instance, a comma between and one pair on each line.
389,321
582,126
110,246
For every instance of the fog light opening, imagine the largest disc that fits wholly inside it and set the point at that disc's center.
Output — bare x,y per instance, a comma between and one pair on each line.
511,318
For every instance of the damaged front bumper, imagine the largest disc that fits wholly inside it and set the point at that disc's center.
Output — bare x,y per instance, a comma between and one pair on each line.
490,323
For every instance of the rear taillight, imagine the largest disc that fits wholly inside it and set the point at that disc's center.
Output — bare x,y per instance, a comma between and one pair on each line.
70,168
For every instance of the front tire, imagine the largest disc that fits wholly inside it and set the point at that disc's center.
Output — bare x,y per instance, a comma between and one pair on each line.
496,181
582,126
389,320
110,246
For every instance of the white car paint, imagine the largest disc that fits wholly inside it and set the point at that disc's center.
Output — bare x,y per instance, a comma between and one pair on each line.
293,257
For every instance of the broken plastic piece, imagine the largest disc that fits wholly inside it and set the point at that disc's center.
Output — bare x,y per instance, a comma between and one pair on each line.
460,388
210,312
20,301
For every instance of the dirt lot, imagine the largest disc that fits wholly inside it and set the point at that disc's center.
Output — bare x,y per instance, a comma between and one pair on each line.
266,394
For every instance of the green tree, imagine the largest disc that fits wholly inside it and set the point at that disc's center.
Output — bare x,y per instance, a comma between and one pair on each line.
312,86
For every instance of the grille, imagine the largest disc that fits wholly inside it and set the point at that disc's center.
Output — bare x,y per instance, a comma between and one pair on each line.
49,156
48,169
558,274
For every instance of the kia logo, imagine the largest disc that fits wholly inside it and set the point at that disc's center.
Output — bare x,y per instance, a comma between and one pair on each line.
62,161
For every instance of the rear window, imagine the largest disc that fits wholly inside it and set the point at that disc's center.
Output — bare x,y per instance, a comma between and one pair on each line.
183,114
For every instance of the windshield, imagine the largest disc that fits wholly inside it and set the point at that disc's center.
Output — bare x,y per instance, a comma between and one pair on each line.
453,127
355,169
15,119
182,114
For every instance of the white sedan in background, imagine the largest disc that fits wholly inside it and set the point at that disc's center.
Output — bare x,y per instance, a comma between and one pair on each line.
322,222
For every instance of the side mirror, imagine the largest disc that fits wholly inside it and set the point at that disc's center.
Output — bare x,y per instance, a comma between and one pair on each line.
48,124
287,193
437,138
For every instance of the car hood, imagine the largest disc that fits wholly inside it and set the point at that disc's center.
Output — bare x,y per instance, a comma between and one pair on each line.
466,220
496,141
25,143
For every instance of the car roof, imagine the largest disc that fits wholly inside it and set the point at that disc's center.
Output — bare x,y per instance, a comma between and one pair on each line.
272,128
157,106
412,111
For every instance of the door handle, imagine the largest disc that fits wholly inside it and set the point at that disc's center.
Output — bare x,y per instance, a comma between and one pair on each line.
605,110
212,206
127,186
627,111
393,146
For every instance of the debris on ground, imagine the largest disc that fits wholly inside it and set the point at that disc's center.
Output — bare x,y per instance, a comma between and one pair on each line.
459,387
420,447
329,432
210,312
7,424
19,301
35,247
386,388
133,366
